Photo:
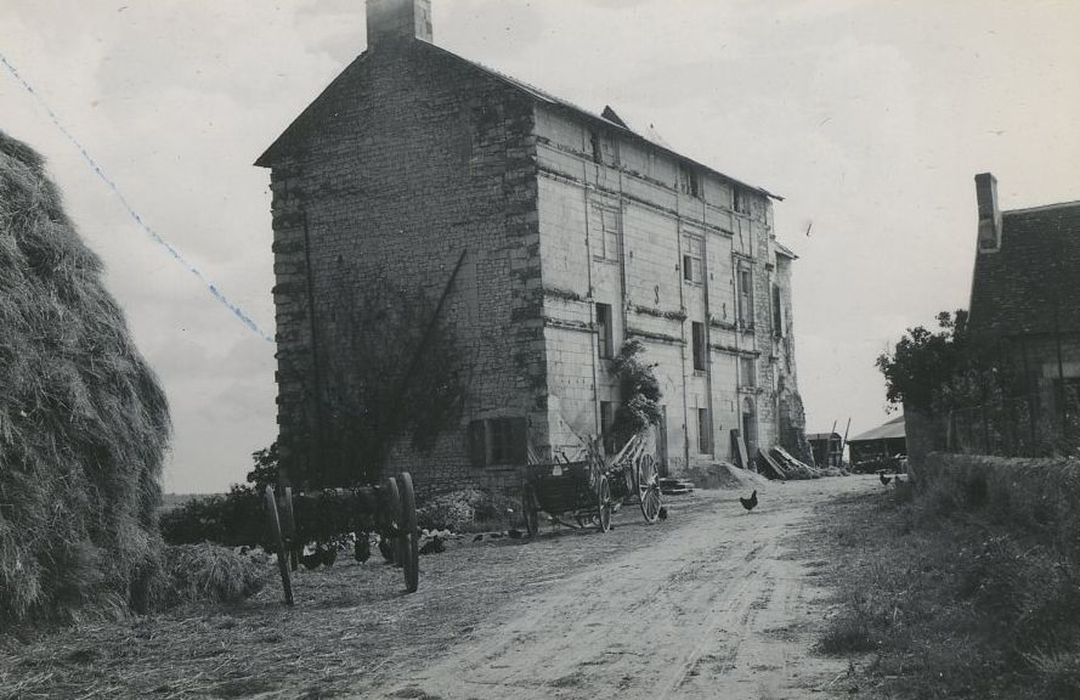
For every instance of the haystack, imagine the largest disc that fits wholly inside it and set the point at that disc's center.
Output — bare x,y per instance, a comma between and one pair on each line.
83,421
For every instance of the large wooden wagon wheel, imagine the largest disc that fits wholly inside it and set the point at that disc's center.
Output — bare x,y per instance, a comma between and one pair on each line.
278,543
603,504
531,511
648,489
392,521
409,536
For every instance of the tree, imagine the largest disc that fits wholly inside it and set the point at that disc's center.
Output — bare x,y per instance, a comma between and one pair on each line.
925,362
264,471
640,392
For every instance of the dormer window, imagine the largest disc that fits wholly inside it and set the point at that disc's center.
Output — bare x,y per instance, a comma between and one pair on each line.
740,202
689,181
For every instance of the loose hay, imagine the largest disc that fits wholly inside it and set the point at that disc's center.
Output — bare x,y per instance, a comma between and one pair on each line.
83,422
209,573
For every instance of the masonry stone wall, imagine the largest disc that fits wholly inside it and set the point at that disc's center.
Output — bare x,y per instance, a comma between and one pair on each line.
587,171
414,156
411,158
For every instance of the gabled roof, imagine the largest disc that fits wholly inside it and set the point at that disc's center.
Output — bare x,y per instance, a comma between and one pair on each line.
892,430
296,131
1032,284
782,249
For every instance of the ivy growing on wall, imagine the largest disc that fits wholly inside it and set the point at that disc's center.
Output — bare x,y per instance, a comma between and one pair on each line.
640,392
369,404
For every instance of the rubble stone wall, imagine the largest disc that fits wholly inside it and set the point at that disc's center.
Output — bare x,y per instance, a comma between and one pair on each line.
416,158
617,216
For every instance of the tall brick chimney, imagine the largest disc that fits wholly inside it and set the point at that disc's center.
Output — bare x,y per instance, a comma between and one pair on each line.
989,213
389,20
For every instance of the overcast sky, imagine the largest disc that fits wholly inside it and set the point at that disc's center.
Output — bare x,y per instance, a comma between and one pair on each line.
870,118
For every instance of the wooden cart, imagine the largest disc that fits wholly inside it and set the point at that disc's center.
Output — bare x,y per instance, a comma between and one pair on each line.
578,490
592,490
388,508
634,478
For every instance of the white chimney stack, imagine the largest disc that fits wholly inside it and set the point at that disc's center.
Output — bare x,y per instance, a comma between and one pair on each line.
989,213
389,20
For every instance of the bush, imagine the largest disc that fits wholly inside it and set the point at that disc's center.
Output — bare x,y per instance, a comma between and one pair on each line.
233,519
469,509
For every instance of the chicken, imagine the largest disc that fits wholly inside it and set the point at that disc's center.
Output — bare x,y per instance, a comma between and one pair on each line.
311,561
362,549
749,503
434,546
329,555
884,479
386,548
663,513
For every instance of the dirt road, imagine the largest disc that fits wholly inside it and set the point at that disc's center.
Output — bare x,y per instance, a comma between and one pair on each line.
712,603
720,604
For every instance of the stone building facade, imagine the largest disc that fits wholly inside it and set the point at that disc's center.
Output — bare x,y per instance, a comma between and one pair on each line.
574,234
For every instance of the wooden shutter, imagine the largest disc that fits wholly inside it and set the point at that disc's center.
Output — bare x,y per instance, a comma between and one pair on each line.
477,444
519,440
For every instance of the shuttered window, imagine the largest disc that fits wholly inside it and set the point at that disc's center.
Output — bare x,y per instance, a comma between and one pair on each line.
605,337
778,312
498,441
698,344
607,423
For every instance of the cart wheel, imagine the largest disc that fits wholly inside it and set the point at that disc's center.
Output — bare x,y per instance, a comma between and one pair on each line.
410,534
391,521
604,504
531,512
648,490
278,543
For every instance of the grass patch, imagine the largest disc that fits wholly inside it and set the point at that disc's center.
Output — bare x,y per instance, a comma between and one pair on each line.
939,598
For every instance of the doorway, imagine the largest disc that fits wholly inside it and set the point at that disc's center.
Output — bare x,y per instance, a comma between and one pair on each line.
749,428
662,443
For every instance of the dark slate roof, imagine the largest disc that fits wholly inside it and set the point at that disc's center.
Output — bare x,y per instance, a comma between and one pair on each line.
294,134
1016,290
891,430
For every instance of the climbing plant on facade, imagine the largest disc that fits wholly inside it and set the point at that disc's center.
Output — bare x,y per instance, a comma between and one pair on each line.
639,389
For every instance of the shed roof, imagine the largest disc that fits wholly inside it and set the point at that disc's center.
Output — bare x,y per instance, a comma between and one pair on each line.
296,132
1030,286
889,431
821,437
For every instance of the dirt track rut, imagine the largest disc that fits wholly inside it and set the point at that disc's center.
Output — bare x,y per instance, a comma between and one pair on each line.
723,605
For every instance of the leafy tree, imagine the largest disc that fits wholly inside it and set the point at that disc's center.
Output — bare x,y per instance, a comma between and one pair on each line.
924,362
265,470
